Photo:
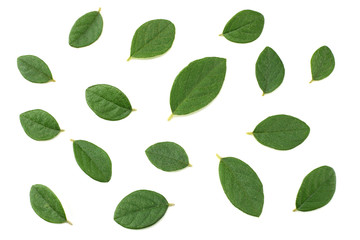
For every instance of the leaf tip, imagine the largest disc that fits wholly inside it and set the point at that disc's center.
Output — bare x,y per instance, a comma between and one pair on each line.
170,117
218,156
250,133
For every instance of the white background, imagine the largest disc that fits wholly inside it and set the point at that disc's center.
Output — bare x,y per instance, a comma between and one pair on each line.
294,29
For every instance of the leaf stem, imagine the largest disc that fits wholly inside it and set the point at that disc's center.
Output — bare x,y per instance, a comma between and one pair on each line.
263,94
52,80
311,81
134,109
221,35
218,156
170,117
72,140
250,133
128,59
295,210
62,130
99,9
171,204
67,221
189,165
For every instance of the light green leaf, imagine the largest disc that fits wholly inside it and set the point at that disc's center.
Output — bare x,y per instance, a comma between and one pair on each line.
46,204
270,70
197,85
241,185
167,156
34,69
108,102
322,63
141,209
281,132
39,125
317,189
86,30
93,160
153,38
246,26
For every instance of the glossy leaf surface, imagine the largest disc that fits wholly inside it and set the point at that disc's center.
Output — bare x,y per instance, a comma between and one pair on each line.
39,125
241,185
93,160
140,209
108,102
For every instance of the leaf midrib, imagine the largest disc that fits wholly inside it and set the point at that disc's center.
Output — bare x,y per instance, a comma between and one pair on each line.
24,116
37,69
94,162
86,30
176,159
107,100
60,215
280,131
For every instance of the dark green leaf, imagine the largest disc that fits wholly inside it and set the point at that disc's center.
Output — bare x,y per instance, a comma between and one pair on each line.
152,39
34,69
281,132
270,70
317,189
108,102
39,125
167,156
140,209
46,205
241,185
322,63
246,26
197,85
86,30
92,160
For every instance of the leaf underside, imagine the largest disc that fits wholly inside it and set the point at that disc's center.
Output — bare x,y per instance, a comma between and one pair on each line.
140,209
86,30
34,69
322,63
241,185
167,156
39,125
317,189
270,70
281,132
108,102
152,39
246,26
93,160
197,85
46,204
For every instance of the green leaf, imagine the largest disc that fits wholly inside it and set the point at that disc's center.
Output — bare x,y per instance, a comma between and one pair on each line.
322,63
34,69
281,132
317,189
86,30
92,160
270,70
108,102
153,38
167,156
197,85
241,185
141,209
46,205
39,125
246,26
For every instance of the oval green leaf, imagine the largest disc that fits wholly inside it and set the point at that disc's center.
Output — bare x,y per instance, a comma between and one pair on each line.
152,39
141,209
93,160
108,102
317,189
39,125
34,69
270,70
86,30
322,63
281,132
46,204
167,156
246,26
241,185
197,85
